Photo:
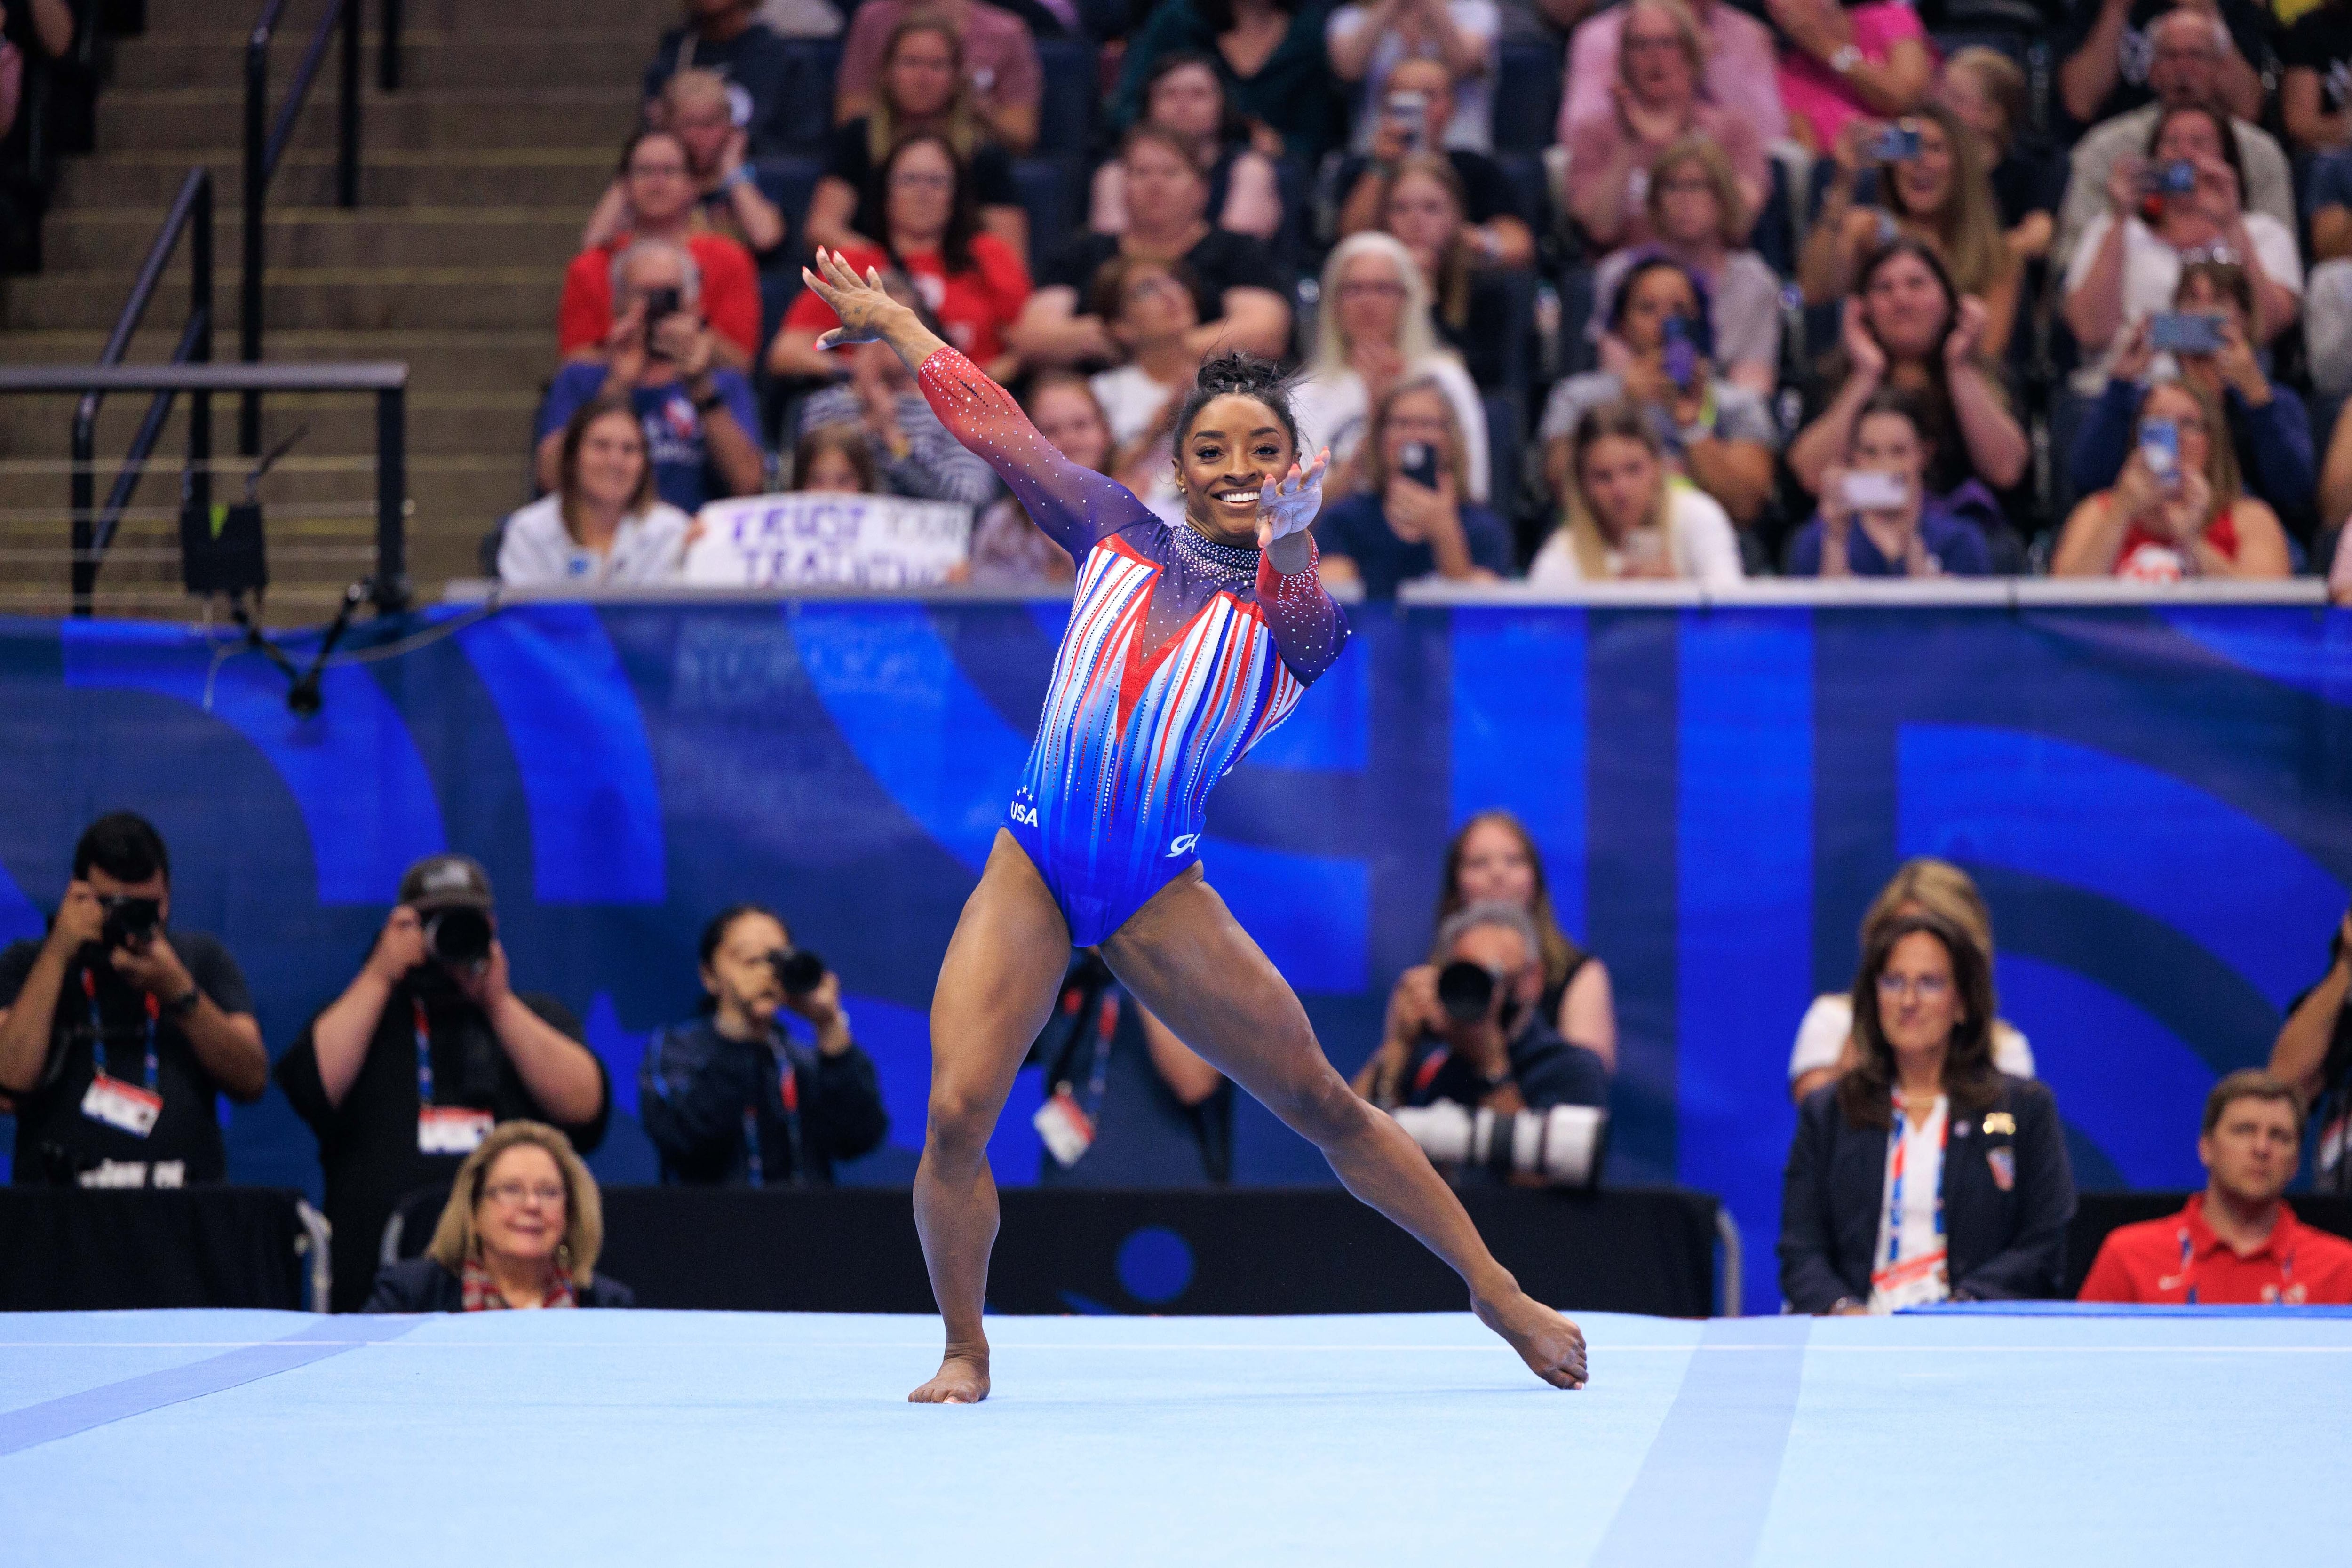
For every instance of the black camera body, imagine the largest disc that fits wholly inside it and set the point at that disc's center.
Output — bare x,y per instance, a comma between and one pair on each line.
1466,990
130,921
459,936
798,970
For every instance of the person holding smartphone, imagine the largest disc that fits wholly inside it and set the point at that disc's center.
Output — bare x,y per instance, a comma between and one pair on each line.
2176,509
1412,518
1877,517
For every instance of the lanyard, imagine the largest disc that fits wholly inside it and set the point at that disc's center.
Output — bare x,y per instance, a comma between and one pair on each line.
1099,1077
1895,1191
97,1032
788,1096
423,1052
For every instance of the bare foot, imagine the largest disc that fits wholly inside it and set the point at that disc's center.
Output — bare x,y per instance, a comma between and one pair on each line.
962,1379
1552,1347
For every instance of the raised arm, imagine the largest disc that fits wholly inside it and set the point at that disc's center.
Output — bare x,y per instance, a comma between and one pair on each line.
1308,629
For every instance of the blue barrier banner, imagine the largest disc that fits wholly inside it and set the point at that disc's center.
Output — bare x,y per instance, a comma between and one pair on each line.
2157,801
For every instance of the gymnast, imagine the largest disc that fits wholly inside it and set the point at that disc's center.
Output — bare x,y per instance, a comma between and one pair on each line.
1186,645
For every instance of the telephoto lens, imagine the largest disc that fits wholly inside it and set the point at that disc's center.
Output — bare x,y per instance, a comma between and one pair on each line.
130,921
1560,1147
1466,990
798,970
459,938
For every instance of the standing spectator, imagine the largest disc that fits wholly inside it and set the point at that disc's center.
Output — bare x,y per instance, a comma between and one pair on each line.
1008,550
1368,39
118,1033
428,1047
2236,1243
2313,1055
1148,306
1918,536
2114,53
1987,91
1271,56
520,1231
1497,235
1846,62
2316,94
657,182
1156,1115
1398,528
999,61
699,416
1661,62
909,448
1627,516
2155,527
835,458
1422,206
1185,96
1699,219
696,108
729,1100
602,525
1940,196
1238,293
969,281
1374,330
724,37
1718,436
1924,1173
1741,73
921,88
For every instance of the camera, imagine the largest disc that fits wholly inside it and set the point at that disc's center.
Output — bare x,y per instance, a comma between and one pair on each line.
2177,178
130,921
460,937
1560,1147
1869,489
660,305
2179,333
2159,449
798,970
1418,462
1896,144
1466,990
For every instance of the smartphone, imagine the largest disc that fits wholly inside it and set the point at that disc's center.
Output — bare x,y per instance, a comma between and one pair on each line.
660,304
1680,354
1896,144
2177,178
1418,462
2174,333
2159,449
1410,113
1872,489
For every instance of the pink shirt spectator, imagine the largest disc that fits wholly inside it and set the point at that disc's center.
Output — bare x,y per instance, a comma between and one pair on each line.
998,53
1594,142
1740,74
1818,96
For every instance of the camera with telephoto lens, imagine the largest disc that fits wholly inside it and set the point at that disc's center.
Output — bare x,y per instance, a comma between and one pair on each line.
130,921
458,937
1466,990
798,970
1560,1147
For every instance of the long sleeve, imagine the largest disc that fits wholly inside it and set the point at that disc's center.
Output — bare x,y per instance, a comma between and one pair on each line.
1308,629
1075,506
845,1117
2285,474
2104,443
2032,1264
1808,1279
692,1107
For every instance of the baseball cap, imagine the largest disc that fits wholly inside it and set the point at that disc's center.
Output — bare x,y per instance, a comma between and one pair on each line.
446,881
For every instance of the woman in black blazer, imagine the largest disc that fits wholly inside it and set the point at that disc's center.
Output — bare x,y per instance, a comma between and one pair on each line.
1923,1008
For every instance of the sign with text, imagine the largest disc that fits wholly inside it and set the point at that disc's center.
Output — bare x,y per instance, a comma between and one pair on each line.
820,539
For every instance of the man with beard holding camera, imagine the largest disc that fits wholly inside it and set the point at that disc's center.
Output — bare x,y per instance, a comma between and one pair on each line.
115,1036
404,1074
728,1099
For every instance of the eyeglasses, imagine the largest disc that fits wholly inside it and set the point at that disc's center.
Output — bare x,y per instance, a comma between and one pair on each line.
1926,988
1371,290
513,1194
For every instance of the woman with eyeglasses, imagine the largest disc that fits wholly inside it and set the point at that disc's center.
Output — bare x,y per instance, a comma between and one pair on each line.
1924,1173
522,1230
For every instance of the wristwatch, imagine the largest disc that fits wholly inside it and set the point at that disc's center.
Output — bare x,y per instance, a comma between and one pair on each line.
1843,59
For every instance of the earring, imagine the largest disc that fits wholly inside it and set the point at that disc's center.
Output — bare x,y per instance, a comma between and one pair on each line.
564,1256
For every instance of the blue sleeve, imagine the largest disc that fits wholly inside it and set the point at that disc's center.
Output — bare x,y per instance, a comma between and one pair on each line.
1964,552
2331,181
690,1105
1805,551
2104,442
737,391
574,385
2287,474
1489,542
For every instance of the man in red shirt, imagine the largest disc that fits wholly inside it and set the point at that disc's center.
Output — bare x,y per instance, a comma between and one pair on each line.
2236,1243
659,185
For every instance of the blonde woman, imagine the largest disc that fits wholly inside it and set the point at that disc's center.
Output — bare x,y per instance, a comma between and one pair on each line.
1374,332
522,1230
1626,517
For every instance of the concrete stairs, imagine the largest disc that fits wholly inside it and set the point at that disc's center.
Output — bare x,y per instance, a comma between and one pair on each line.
477,175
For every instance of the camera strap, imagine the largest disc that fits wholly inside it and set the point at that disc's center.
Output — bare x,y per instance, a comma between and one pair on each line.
103,1052
423,1051
788,1094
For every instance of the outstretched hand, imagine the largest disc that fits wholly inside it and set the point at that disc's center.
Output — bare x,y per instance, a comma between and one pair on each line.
1289,505
862,303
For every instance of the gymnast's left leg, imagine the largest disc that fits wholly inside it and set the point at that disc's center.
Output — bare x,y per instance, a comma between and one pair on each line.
1186,958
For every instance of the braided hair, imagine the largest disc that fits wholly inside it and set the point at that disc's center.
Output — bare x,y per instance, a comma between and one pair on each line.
1241,374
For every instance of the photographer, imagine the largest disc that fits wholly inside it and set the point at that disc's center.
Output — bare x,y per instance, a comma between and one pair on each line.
115,1036
403,1074
728,1099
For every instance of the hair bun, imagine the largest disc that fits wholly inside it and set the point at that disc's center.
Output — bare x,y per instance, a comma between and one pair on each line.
1239,371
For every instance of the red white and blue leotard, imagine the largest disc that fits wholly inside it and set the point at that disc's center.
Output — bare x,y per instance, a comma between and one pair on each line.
1181,654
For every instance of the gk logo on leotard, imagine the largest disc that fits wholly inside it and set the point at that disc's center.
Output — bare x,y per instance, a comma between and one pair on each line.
1026,815
1184,844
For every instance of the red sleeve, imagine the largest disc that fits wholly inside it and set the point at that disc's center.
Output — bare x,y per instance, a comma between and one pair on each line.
1308,629
585,316
730,291
2110,1278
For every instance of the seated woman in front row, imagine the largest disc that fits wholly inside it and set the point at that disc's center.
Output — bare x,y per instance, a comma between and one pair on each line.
2176,509
1877,517
1626,517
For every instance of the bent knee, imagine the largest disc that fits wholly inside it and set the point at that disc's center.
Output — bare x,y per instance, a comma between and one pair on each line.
960,1121
1322,1109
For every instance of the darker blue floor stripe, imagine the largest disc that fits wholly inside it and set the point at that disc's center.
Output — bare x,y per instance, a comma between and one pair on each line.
1707,1481
54,1418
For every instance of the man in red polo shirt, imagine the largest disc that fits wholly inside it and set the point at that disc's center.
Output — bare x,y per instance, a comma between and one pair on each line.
2236,1243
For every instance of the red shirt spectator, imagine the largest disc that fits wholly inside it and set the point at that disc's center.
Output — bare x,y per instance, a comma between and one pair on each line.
973,306
2180,1260
730,294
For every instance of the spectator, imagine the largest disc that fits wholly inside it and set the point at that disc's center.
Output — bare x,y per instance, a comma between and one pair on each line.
911,451
1918,536
921,88
1697,220
1237,292
1906,326
1740,77
1368,39
1939,195
973,282
2327,292
1422,204
1185,96
1271,55
1626,517
1825,1044
521,1230
1155,1114
2313,1055
697,109
1373,331
601,526
2188,72
724,37
1840,63
2128,262
2155,527
1493,857
1148,307
2115,54
1924,1173
999,62
426,1049
118,1033
658,186
1398,528
1510,1060
1987,91
835,458
2236,1243
1718,436
699,416
1661,62
2270,433
2316,91
1008,550
729,1100
1498,234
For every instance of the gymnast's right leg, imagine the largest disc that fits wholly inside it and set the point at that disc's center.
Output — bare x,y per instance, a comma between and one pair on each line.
997,986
